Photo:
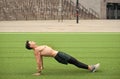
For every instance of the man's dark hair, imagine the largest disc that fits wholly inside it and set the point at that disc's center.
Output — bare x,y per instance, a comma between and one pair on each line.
27,45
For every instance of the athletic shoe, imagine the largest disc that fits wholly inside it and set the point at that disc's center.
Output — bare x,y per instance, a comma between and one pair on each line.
95,67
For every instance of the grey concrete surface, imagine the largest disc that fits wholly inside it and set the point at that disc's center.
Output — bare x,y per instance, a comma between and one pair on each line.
65,26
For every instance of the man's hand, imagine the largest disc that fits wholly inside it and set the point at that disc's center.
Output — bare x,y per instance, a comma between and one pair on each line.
41,68
37,74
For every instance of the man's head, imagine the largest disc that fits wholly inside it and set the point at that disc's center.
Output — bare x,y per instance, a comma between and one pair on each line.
30,45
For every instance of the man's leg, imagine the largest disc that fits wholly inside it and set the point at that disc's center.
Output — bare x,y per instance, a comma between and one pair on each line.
65,59
77,63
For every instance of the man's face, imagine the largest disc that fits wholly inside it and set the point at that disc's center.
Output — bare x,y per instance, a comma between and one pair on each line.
32,43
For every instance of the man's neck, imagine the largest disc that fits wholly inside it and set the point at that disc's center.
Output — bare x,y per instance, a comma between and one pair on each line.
35,46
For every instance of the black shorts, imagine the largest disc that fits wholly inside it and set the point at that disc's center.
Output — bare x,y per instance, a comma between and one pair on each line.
62,57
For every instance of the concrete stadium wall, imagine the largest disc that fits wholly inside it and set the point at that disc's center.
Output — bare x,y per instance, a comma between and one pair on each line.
94,4
97,5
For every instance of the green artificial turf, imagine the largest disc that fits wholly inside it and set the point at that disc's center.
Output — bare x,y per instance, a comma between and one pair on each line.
16,62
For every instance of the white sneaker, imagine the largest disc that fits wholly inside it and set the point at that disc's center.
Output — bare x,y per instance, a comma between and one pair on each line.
95,67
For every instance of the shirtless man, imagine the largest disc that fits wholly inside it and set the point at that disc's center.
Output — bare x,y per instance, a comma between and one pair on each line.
44,50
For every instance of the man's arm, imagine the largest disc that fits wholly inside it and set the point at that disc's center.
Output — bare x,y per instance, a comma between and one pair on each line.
38,60
42,63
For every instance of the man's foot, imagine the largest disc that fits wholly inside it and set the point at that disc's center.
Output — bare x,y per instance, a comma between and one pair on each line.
95,67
